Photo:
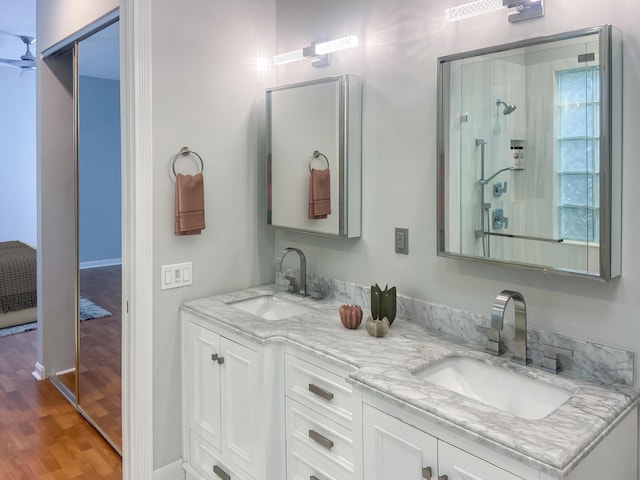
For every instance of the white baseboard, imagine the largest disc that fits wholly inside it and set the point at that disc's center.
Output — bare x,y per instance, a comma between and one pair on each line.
64,372
39,372
107,262
172,471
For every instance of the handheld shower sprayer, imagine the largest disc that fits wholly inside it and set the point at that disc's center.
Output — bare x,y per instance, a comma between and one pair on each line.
507,108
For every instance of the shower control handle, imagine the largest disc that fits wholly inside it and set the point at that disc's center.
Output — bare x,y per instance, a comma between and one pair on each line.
499,220
499,188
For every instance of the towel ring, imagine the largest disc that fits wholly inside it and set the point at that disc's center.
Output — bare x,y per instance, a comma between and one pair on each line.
317,154
185,152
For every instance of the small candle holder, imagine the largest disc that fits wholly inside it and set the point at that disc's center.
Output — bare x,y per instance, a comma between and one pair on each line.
377,328
350,316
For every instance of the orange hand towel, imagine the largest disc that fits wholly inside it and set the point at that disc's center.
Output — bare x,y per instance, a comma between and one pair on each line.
189,215
319,193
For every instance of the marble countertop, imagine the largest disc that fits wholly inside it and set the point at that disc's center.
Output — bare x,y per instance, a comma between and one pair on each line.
554,444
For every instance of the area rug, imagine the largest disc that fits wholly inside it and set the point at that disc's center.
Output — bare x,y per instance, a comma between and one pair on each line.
88,311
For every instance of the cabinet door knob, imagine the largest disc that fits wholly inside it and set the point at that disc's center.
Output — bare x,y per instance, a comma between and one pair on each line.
426,473
443,477
221,473
321,439
220,360
214,357
321,392
313,477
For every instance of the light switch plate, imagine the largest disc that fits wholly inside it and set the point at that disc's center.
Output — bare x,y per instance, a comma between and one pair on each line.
176,275
402,241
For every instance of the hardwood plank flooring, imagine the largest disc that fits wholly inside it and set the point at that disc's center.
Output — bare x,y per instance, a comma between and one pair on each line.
42,436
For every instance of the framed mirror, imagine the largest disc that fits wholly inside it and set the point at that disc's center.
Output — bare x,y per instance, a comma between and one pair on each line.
314,160
529,153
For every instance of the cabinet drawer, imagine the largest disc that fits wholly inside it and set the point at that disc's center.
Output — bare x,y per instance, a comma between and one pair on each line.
460,465
322,442
205,459
323,391
300,467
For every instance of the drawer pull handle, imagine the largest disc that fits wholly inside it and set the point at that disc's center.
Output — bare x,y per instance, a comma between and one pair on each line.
221,473
321,439
426,473
321,392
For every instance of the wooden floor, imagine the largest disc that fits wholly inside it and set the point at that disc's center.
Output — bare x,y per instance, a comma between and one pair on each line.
42,436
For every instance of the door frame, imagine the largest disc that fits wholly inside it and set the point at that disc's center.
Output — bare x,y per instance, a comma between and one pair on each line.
137,248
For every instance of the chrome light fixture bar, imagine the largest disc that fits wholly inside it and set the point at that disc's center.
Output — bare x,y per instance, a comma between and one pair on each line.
317,51
518,10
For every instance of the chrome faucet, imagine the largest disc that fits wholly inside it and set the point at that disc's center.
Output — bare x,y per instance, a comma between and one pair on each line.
497,322
303,270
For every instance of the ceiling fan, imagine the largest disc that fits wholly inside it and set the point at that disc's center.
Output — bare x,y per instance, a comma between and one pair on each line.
26,61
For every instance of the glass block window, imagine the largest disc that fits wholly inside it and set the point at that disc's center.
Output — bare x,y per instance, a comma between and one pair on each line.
578,130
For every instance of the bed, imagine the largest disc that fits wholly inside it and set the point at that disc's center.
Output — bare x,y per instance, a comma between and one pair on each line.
18,279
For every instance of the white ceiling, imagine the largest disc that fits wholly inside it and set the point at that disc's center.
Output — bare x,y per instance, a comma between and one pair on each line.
99,54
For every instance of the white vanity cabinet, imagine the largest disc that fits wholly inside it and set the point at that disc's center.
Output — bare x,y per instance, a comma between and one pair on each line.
230,412
400,445
394,449
320,411
259,407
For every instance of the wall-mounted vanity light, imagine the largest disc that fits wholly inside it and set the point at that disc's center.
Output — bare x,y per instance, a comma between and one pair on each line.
518,10
317,51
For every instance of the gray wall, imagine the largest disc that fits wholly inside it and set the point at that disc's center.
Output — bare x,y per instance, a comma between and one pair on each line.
402,40
208,93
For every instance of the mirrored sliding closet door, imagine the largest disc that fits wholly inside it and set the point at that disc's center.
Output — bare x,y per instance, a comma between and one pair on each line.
99,232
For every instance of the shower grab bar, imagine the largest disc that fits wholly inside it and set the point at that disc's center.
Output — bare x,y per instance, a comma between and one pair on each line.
525,237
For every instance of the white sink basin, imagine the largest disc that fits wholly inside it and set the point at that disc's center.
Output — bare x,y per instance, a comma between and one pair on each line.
270,307
508,391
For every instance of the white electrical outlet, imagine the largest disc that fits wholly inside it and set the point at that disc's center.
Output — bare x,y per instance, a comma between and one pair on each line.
175,276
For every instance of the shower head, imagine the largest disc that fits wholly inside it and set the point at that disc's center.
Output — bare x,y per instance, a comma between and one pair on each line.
507,108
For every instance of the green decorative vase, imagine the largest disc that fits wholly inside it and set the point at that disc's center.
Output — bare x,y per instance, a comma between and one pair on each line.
383,303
